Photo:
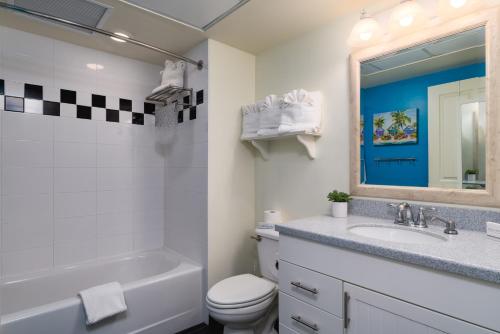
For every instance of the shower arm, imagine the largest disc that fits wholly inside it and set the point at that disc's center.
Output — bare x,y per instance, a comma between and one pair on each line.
199,64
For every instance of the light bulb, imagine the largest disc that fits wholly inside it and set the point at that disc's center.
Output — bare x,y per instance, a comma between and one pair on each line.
365,36
406,21
366,29
457,3
406,13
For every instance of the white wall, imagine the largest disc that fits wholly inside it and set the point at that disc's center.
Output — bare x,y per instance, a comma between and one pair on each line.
76,189
231,182
318,61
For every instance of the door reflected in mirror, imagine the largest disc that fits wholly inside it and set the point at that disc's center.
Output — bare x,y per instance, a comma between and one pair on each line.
423,115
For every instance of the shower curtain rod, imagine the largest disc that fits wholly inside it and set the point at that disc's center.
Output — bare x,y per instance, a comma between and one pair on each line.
199,64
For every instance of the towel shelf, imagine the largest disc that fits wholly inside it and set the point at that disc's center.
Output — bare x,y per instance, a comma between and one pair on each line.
171,93
306,138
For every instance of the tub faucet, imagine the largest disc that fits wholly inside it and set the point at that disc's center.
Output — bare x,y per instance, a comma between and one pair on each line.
404,215
450,225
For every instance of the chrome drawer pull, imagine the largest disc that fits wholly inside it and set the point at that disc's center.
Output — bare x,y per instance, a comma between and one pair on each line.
304,287
304,322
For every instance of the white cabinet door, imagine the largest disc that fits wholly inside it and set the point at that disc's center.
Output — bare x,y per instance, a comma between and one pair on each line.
373,313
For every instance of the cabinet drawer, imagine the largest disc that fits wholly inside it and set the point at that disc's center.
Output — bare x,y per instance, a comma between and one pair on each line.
319,290
286,330
307,319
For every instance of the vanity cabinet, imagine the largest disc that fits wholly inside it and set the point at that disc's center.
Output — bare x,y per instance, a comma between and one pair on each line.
326,289
375,313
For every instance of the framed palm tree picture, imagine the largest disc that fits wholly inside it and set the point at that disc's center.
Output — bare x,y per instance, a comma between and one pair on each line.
395,127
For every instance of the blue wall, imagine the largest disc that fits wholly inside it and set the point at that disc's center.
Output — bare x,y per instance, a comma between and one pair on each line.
405,94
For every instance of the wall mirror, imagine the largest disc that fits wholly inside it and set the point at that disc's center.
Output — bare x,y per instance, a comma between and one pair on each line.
424,115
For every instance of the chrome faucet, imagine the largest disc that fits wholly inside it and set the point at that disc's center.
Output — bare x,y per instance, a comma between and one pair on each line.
450,225
404,215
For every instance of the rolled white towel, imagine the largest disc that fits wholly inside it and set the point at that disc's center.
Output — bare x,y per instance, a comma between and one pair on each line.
270,115
250,120
103,301
300,111
172,74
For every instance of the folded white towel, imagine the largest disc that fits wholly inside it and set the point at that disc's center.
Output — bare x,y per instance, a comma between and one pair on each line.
250,120
172,74
103,301
300,111
270,115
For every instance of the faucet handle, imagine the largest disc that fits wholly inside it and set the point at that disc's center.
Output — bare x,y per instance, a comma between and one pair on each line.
422,218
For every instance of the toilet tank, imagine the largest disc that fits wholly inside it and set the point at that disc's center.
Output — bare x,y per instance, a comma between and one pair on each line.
267,248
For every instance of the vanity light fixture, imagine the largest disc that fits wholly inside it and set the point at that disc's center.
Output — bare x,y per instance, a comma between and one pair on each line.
119,40
407,13
365,30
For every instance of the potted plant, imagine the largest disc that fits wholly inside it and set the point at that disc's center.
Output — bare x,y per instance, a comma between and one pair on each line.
339,203
471,174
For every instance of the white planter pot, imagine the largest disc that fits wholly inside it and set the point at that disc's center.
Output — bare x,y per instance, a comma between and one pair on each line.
339,209
471,177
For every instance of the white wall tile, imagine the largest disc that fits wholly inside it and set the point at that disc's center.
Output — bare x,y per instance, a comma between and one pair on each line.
98,114
115,133
115,156
14,209
74,252
74,155
68,110
115,201
150,240
27,57
149,177
33,106
25,236
70,69
74,130
149,156
77,229
115,178
22,180
74,204
74,179
22,126
17,153
14,88
114,245
110,224
25,261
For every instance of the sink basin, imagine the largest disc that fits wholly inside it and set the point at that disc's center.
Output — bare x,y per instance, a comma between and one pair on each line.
395,233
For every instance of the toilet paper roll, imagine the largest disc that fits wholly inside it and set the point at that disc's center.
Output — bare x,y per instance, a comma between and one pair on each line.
272,217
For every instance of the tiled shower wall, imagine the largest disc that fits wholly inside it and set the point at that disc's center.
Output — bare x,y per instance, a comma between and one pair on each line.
76,188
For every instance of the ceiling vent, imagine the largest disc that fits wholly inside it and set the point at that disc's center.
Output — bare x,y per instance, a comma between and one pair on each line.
86,12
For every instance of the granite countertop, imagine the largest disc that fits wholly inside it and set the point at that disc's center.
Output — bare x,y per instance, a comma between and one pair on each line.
470,253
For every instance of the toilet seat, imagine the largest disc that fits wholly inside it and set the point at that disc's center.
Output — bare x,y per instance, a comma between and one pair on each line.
243,311
241,291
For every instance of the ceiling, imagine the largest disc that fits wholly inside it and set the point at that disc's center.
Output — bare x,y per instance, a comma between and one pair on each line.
453,51
254,27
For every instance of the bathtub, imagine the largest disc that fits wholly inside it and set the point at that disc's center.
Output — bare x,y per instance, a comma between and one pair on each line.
162,290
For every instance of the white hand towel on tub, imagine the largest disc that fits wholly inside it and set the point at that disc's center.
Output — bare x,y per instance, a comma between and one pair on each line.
270,114
103,301
301,111
250,120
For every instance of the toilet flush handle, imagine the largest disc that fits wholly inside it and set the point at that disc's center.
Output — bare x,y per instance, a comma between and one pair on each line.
256,237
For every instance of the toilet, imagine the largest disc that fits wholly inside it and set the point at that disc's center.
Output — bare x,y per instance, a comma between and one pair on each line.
247,304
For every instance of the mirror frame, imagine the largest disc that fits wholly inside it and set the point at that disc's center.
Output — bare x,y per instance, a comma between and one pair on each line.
489,197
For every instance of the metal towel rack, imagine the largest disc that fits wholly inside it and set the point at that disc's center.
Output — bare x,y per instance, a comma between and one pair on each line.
398,160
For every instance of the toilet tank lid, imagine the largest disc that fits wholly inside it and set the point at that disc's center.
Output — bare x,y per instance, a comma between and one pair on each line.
268,233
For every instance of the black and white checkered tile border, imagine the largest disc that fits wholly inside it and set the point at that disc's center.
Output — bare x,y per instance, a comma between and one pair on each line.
29,98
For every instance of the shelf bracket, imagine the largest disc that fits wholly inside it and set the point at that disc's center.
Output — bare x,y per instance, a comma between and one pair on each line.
309,142
262,147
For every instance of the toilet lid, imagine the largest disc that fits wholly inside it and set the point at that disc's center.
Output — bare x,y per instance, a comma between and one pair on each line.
240,289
